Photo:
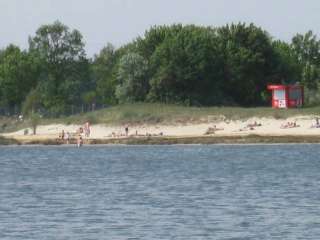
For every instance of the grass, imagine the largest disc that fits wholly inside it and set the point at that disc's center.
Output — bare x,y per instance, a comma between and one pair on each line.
7,141
172,114
8,124
143,113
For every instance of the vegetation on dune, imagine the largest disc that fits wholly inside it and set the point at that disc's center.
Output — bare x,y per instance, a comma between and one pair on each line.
8,141
153,113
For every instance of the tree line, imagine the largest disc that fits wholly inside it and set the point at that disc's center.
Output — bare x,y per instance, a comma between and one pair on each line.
181,64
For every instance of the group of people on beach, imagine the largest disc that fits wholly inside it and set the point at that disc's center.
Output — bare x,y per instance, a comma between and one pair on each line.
248,127
79,135
251,126
254,125
289,125
65,137
295,125
85,131
134,134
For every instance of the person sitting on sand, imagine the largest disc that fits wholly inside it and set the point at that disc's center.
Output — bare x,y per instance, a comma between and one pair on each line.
246,128
249,127
253,125
212,130
286,125
317,124
289,125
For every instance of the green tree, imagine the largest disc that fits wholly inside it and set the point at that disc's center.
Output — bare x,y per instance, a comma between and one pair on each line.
187,68
17,76
154,37
65,72
32,102
310,76
307,48
90,99
34,120
249,62
104,73
287,67
133,84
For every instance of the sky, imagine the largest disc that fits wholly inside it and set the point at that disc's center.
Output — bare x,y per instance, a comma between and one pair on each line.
120,21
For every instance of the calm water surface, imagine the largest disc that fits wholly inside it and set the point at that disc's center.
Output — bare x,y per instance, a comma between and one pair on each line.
160,192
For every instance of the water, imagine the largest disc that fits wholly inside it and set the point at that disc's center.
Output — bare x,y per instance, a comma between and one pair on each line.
160,192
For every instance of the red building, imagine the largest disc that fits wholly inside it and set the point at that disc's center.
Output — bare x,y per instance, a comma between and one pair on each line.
287,96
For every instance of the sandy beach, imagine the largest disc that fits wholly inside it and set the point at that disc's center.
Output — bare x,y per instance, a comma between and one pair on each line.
263,127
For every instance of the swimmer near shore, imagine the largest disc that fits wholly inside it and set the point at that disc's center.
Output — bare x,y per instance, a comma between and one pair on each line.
79,141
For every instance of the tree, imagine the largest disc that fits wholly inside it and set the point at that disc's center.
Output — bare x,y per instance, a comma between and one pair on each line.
310,76
287,67
65,72
57,45
32,102
133,85
249,62
34,120
186,68
154,37
307,48
90,98
17,76
104,73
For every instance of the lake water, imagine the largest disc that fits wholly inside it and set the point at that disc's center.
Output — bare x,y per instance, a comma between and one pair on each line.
160,192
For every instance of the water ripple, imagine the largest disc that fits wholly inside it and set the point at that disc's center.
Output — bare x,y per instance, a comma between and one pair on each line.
160,192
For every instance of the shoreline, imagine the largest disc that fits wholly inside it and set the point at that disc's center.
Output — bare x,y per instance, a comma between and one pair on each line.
305,129
192,140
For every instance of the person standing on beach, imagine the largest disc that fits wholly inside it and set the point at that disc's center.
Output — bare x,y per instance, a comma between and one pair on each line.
126,130
87,129
67,138
62,135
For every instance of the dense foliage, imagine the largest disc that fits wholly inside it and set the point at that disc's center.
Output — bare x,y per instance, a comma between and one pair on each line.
184,64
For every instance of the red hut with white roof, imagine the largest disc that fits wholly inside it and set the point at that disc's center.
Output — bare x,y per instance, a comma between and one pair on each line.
287,96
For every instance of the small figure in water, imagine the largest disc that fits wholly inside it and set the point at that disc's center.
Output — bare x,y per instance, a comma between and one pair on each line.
79,141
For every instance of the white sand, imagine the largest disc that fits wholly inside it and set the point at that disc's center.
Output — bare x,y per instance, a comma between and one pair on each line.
270,127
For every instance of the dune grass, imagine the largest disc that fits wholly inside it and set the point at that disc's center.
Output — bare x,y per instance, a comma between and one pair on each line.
172,114
143,113
8,141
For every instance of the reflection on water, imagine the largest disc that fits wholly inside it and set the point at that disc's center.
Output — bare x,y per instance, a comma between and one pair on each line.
160,192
